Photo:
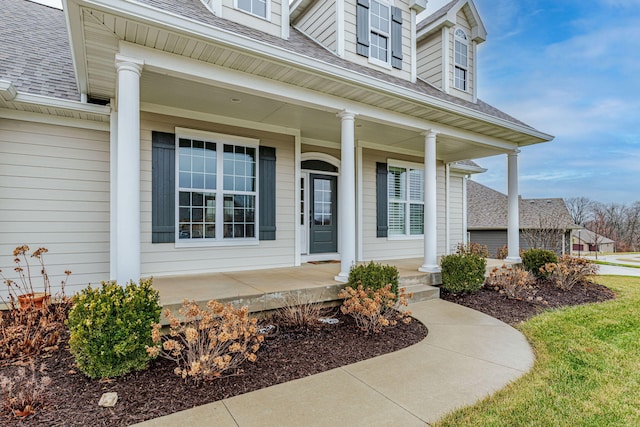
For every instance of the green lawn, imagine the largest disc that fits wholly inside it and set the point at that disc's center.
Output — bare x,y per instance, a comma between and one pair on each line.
617,264
587,370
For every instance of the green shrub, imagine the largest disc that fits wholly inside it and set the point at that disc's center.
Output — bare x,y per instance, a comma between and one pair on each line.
373,276
463,272
535,259
111,326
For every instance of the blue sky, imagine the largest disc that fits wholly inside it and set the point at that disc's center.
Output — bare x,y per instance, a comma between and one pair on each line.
570,68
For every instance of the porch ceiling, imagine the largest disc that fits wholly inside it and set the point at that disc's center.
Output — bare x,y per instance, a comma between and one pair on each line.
162,90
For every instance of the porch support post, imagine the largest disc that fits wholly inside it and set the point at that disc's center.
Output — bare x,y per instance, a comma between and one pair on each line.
347,196
430,264
128,170
513,223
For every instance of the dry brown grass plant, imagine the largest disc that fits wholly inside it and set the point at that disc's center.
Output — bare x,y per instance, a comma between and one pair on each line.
208,343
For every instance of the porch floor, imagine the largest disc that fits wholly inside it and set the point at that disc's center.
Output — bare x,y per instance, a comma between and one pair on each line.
270,289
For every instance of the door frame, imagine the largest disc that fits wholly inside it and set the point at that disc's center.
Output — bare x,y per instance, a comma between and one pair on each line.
304,226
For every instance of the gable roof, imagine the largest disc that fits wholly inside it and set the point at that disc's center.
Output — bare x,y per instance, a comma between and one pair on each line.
447,16
588,236
487,209
36,57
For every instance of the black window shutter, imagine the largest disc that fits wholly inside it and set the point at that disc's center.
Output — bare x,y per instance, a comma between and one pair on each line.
396,38
163,178
362,27
267,193
381,199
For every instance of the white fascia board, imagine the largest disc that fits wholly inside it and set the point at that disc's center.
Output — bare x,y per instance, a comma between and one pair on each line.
261,49
48,101
467,169
28,116
214,118
210,74
73,16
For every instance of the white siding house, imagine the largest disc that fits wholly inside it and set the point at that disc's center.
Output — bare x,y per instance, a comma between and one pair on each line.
174,137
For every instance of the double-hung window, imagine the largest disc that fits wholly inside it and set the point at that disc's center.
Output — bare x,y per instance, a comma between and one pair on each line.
380,25
217,188
405,185
254,7
461,59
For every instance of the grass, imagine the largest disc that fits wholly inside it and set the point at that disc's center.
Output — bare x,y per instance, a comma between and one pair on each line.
586,371
616,264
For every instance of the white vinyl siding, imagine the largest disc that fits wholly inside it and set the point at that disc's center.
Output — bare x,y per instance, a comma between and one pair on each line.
456,213
388,248
319,23
163,259
54,193
429,59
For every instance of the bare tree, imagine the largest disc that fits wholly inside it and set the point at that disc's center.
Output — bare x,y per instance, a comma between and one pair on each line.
580,209
546,233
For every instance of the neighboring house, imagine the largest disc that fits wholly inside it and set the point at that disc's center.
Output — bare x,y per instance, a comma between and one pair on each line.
587,242
544,223
171,137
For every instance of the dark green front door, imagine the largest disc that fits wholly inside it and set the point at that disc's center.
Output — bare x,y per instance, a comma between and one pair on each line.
323,230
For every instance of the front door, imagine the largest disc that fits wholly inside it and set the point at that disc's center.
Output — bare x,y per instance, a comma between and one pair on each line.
323,227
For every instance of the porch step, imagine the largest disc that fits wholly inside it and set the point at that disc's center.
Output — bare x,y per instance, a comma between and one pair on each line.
325,294
422,292
432,279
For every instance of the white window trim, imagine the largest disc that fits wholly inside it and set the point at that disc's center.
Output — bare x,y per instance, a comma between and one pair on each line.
267,10
406,165
464,41
217,138
375,61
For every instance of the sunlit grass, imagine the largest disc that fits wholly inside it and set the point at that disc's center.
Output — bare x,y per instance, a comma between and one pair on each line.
587,370
615,264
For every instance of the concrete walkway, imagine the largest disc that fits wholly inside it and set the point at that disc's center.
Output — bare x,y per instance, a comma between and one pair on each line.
466,356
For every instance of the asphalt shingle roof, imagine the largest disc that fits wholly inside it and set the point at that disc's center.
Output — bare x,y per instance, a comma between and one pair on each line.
488,209
35,54
435,15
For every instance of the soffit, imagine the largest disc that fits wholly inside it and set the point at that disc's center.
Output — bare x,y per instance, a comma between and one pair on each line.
102,32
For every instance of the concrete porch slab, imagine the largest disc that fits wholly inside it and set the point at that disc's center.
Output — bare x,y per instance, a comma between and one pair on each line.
270,289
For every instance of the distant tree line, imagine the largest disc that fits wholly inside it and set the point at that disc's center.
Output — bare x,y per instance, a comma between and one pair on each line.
619,222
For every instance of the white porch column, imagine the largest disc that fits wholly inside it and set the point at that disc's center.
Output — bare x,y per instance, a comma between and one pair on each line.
430,264
347,196
513,223
128,170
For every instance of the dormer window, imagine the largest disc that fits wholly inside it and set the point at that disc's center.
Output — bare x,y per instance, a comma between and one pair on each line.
379,32
461,59
379,16
254,7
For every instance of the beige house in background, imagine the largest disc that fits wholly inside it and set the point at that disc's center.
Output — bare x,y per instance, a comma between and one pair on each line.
173,137
587,242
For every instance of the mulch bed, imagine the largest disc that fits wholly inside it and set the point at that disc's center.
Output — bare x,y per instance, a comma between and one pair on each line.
288,354
543,296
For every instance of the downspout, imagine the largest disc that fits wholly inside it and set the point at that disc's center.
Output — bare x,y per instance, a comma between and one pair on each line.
447,207
465,230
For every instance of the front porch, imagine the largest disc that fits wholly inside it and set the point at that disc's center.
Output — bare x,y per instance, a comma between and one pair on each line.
270,289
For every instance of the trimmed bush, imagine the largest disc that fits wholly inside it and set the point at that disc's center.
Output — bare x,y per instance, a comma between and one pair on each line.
462,273
111,327
535,259
374,276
